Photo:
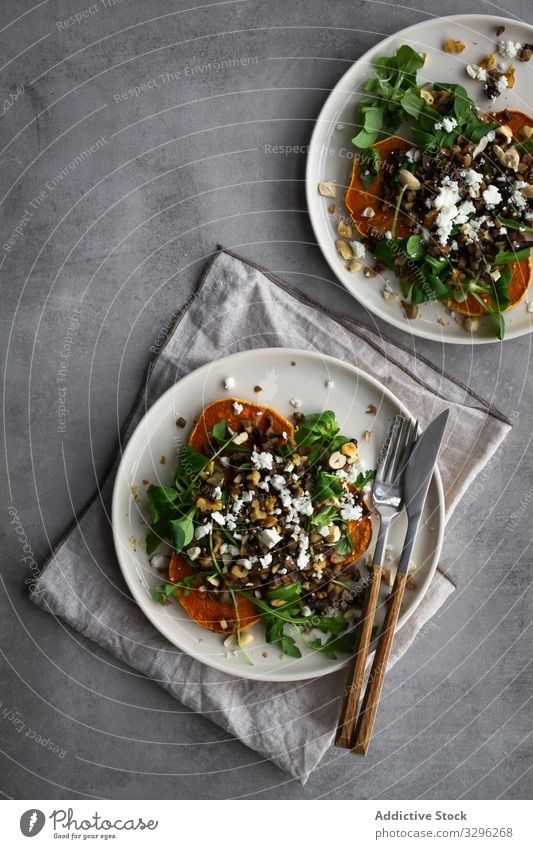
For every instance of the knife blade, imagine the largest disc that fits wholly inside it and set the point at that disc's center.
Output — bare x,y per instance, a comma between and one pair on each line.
417,477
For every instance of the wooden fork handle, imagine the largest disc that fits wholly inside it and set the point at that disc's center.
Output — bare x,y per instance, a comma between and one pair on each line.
369,707
354,683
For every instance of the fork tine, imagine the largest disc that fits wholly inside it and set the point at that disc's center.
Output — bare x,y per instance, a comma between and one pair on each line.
398,449
386,451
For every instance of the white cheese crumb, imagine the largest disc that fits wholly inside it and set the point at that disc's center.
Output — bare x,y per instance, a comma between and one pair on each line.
229,382
266,560
262,459
295,402
358,249
237,408
509,49
492,196
447,124
218,518
269,537
351,512
202,530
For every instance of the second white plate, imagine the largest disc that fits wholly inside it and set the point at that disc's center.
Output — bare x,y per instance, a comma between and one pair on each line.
331,154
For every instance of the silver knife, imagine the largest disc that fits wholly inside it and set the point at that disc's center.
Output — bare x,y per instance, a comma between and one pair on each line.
417,476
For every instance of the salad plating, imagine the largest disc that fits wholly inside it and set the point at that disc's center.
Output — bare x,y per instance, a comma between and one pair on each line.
451,210
265,521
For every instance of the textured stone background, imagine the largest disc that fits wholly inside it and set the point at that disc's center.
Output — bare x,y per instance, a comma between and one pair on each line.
123,237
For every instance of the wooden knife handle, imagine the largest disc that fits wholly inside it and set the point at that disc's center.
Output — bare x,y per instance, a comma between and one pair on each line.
354,683
369,707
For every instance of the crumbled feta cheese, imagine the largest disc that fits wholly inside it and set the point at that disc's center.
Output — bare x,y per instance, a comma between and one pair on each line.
266,560
447,124
350,511
445,201
509,49
247,496
501,84
492,196
228,548
464,209
413,155
269,537
202,530
237,408
518,199
218,518
358,249
502,231
262,459
324,530
159,561
231,524
473,180
295,402
303,505
229,382
491,135
303,557
217,493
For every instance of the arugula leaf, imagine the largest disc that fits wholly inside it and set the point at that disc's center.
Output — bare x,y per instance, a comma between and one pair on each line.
387,250
289,647
415,247
327,486
317,427
324,517
160,500
500,289
515,225
369,166
344,545
163,592
289,593
428,289
220,430
503,257
364,477
182,530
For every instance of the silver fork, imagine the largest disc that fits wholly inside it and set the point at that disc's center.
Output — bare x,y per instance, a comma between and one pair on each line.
387,498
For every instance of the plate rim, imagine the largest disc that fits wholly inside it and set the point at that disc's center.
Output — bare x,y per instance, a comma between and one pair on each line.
311,200
133,584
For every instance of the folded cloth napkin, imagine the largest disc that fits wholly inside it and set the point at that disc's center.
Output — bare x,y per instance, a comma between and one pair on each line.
292,725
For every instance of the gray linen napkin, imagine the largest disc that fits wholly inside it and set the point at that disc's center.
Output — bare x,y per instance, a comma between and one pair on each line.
239,306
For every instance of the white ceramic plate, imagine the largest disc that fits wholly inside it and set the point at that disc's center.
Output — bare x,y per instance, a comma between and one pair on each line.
331,153
157,436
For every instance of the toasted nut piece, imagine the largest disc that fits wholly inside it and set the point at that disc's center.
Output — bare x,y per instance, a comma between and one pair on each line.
331,208
425,57
480,147
509,75
337,460
410,310
327,189
223,624
409,180
344,229
246,640
509,158
337,558
527,191
256,512
202,588
389,295
314,538
453,46
427,96
241,438
334,534
366,435
410,583
352,613
344,249
488,61
387,576
254,477
269,521
239,571
505,131
205,505
526,132
213,580
354,265
472,71
194,552
230,641
471,325
277,602
368,212
349,449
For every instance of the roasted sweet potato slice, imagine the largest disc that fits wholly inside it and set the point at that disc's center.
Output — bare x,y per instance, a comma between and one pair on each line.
358,197
204,609
360,533
224,409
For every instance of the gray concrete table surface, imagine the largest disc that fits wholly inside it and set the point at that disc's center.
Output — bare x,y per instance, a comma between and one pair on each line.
178,165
